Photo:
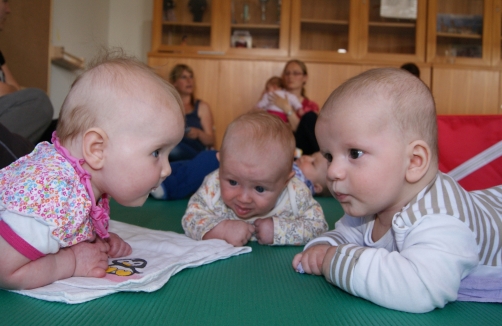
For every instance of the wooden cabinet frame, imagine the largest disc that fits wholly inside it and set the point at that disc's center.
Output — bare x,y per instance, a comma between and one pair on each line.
487,40
420,34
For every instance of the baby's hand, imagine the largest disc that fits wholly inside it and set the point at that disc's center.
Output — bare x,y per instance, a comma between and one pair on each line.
264,230
91,259
237,233
118,247
311,259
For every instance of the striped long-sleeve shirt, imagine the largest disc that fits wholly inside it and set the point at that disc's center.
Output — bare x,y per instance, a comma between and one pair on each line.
436,240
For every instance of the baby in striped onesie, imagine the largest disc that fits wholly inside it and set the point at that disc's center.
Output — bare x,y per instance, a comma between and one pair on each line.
412,238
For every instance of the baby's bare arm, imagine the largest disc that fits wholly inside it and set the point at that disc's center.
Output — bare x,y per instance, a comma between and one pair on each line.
312,259
83,259
118,247
264,230
237,233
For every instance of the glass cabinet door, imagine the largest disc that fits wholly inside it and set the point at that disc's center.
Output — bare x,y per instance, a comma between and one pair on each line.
459,31
183,25
395,30
323,28
257,27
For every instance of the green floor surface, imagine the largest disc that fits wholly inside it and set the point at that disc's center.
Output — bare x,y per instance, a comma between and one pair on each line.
258,288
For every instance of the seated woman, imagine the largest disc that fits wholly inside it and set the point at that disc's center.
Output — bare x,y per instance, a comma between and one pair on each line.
303,121
199,134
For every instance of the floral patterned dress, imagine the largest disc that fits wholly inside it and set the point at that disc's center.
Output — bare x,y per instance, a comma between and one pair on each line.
297,216
46,203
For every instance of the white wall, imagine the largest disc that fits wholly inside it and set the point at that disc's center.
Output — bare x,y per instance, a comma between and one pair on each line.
130,26
82,27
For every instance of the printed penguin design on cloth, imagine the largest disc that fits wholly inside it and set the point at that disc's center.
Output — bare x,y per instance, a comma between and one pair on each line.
126,267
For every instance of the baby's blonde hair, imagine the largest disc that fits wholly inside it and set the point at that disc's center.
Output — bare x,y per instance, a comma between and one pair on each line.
411,101
111,74
256,129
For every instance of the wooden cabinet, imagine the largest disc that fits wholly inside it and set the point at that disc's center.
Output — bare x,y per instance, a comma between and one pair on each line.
328,30
324,29
264,22
216,27
460,32
337,39
178,28
393,34
358,30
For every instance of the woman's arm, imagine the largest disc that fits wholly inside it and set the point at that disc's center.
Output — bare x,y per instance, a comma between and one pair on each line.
206,134
284,105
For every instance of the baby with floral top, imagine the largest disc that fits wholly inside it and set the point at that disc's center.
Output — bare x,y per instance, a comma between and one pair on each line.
255,195
116,128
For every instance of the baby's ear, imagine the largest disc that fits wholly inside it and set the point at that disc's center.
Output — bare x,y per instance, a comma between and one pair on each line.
94,142
318,189
420,159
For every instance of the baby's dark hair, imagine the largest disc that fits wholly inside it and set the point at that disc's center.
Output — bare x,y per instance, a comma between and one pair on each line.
412,68
276,81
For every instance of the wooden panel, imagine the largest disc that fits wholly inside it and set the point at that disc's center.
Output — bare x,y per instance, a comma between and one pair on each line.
25,42
240,87
465,91
233,87
324,78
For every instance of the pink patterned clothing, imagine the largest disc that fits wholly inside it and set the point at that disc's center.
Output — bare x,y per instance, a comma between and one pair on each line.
46,203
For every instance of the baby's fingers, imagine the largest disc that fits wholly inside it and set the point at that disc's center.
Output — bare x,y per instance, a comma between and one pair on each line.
296,260
98,271
251,230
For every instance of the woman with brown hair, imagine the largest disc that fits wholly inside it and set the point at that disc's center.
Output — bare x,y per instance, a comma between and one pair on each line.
302,121
199,134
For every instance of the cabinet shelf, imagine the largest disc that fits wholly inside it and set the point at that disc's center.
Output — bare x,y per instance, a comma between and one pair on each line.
255,26
167,23
392,24
457,35
324,22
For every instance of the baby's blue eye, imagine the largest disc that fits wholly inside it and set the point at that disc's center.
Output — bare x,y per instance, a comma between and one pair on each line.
260,189
355,153
155,153
328,157
232,182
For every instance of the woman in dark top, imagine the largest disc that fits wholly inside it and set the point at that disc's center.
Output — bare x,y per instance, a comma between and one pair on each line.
199,133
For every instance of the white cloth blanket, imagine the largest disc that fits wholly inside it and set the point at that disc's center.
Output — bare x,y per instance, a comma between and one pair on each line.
157,255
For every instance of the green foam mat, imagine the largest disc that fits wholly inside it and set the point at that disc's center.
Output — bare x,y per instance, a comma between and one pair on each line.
258,288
